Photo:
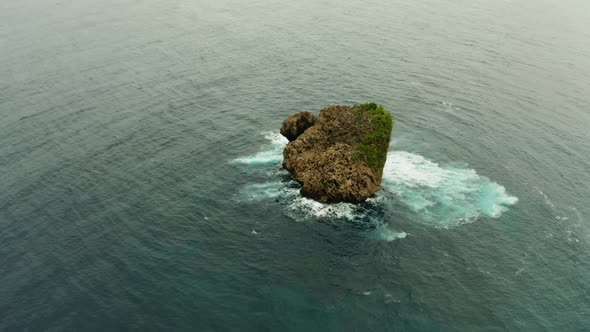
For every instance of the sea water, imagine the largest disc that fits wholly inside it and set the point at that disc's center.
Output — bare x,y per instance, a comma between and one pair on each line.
142,188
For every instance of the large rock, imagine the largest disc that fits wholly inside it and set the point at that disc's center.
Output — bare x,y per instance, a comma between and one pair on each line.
340,156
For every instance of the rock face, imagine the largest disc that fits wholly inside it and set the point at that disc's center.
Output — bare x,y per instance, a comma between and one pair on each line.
296,124
339,156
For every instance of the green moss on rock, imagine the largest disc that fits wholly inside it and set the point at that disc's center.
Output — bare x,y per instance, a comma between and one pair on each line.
374,145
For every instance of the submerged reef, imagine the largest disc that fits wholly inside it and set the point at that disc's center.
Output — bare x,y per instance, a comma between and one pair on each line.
339,155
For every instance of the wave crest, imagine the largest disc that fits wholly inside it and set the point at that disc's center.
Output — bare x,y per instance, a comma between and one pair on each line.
269,156
440,195
446,196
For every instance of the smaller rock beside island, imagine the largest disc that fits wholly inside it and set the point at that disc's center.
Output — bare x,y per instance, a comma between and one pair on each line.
296,124
338,156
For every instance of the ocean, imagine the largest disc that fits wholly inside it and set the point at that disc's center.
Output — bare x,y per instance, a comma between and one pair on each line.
141,185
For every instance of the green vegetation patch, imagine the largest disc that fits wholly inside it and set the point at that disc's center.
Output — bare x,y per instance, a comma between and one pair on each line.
374,145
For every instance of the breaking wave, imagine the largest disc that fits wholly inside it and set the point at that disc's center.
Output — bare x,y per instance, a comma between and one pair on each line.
385,233
286,194
443,195
270,156
297,206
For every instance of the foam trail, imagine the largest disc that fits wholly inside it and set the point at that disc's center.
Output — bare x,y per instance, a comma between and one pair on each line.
297,206
303,208
286,193
260,158
444,196
262,191
551,205
272,155
384,233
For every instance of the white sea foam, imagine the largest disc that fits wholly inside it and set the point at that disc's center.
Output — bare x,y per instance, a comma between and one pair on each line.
298,206
385,233
276,139
272,155
305,207
262,191
551,205
414,170
264,157
301,208
446,196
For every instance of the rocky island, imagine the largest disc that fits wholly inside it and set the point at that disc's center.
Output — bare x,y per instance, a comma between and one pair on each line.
339,155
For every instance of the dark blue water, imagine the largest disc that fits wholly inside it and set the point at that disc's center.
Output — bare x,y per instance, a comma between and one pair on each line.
141,186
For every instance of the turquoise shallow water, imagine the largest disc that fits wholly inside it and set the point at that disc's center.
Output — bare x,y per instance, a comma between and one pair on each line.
142,188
